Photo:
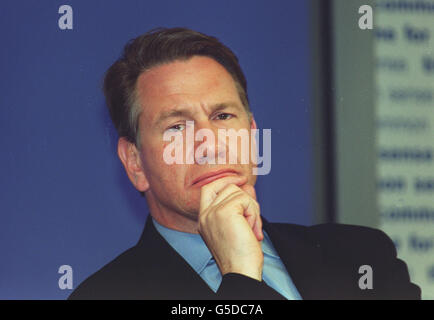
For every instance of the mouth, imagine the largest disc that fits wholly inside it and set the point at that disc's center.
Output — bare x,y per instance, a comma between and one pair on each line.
212,176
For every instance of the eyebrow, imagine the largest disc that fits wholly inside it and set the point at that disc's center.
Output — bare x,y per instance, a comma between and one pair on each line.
187,113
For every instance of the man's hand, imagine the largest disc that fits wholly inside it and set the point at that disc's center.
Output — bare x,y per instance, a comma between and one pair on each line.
231,226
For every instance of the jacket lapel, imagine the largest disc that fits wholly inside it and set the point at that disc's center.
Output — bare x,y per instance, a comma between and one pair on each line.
302,257
167,274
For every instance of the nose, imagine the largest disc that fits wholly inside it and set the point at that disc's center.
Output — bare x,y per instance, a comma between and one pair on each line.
207,147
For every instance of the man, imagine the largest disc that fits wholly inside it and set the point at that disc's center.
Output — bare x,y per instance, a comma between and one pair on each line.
205,238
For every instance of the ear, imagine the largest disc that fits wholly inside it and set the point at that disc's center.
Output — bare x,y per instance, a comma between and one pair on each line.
130,158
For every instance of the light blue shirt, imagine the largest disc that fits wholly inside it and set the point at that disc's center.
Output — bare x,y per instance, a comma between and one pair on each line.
193,249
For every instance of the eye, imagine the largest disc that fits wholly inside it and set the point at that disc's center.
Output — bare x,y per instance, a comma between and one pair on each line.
224,116
177,127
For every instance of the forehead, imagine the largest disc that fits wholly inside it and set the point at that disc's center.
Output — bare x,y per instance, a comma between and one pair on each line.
198,81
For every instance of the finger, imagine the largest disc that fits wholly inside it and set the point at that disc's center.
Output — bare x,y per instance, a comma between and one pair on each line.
232,188
253,217
257,229
242,204
251,220
252,214
210,191
249,189
245,206
225,193
256,223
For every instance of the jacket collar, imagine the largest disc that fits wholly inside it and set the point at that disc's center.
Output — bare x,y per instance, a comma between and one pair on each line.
301,256
166,273
189,245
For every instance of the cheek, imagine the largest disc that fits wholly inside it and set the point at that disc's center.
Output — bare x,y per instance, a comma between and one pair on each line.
153,159
173,171
155,154
191,202
171,174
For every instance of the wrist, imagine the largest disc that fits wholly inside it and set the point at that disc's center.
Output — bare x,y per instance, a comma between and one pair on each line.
251,270
253,275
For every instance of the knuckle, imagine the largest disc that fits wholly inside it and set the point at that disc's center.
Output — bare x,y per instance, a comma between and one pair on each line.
203,225
256,204
220,211
233,187
205,189
246,197
201,222
228,190
239,194
203,218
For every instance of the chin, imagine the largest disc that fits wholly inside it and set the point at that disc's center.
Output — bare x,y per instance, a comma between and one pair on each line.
191,214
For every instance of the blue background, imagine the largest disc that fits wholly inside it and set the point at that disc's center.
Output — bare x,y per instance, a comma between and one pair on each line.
65,199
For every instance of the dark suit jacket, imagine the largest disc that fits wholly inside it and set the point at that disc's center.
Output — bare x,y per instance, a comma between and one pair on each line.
323,262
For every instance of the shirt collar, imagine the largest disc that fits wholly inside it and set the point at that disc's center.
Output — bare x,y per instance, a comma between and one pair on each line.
267,246
194,250
189,245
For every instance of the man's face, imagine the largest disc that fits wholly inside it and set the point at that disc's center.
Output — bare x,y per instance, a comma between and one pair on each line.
199,90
